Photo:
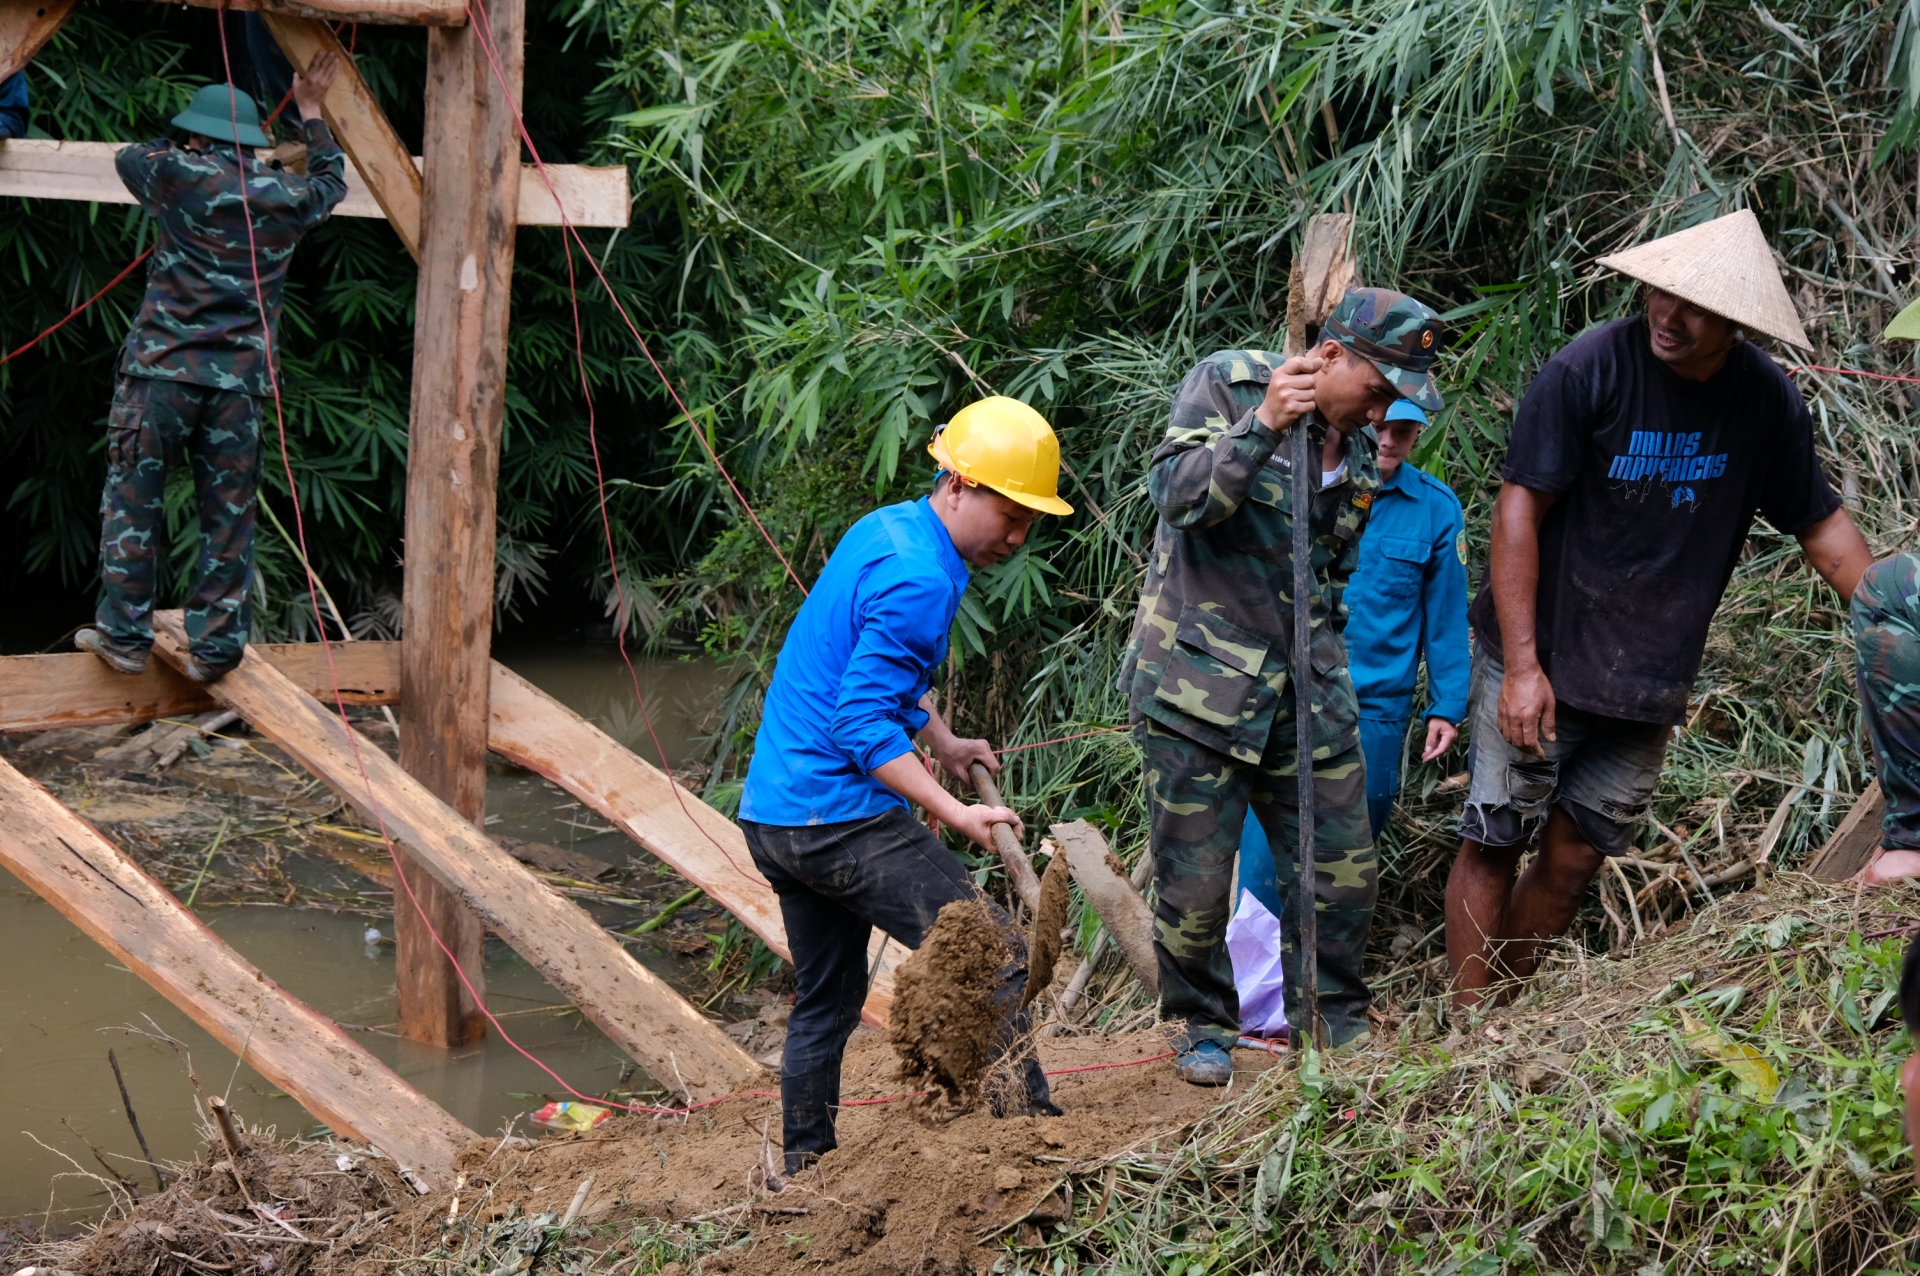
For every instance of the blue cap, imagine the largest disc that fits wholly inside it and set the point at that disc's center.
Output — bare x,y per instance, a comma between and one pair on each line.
1406,410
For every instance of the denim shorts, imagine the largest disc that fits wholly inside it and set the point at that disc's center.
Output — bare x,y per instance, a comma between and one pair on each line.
1601,771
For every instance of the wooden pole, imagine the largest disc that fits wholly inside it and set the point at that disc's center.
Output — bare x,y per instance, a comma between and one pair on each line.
468,211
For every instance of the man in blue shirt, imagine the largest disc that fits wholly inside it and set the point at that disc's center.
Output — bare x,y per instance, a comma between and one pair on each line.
827,806
14,101
1407,597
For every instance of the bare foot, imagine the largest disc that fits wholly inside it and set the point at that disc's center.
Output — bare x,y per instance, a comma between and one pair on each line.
1887,867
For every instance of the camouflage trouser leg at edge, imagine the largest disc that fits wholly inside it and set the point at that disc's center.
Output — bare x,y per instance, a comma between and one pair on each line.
1197,804
152,423
1886,635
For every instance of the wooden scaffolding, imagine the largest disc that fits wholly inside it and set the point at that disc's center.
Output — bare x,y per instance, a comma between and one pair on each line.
456,208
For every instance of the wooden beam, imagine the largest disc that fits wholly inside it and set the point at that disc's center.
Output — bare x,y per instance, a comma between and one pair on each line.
103,892
74,689
469,202
37,168
638,1011
359,125
416,13
532,729
25,28
1853,843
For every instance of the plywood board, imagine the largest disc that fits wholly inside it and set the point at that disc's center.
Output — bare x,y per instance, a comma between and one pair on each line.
74,689
103,892
532,729
638,1011
36,168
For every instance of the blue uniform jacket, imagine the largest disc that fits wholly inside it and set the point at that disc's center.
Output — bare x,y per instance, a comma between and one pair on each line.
861,653
1409,594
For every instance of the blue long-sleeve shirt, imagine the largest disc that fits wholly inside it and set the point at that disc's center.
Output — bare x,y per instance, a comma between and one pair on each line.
14,101
1408,596
846,691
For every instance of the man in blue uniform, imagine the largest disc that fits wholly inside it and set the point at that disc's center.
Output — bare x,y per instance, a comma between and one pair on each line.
827,806
14,102
1407,598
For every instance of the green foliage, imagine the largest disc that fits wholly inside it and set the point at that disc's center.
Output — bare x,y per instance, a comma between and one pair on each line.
346,343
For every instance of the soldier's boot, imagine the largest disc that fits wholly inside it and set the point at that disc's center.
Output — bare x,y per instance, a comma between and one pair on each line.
1204,1062
118,658
203,673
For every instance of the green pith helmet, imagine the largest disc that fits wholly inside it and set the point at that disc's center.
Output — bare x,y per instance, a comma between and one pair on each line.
213,113
1906,324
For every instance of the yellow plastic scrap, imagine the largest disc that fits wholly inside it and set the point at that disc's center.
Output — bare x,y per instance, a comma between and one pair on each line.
1748,1066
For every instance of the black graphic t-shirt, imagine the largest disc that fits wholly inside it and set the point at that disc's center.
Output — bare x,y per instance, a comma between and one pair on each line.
1658,480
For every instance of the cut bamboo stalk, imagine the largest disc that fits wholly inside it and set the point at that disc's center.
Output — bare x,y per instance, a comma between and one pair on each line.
1122,911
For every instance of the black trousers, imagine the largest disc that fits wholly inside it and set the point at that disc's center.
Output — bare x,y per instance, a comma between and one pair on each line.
836,882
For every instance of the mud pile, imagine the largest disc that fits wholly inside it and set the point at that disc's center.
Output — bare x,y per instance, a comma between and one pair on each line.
944,1025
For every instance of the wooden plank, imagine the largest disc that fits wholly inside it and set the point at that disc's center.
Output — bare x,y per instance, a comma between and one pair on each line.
378,155
37,168
1853,843
418,13
633,1006
74,689
1105,884
103,892
532,729
469,201
25,28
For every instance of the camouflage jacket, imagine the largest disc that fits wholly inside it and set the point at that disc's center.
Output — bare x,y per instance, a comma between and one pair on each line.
1212,641
200,322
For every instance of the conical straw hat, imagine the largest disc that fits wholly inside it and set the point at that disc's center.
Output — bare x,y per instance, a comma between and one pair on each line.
1906,324
1724,266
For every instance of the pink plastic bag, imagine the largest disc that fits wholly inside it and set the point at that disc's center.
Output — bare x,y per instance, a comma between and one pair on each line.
1253,942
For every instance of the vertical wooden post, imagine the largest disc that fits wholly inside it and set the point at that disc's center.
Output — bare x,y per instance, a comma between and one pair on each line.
469,210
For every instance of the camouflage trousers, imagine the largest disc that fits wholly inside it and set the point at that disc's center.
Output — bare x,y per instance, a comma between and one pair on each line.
153,426
1197,802
1886,638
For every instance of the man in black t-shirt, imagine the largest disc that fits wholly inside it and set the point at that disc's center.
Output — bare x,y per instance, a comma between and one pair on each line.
1638,460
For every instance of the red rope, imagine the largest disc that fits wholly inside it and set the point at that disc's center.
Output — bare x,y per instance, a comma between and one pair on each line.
75,313
1853,372
1041,744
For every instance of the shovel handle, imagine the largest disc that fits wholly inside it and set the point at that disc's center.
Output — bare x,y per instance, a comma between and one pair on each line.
1019,868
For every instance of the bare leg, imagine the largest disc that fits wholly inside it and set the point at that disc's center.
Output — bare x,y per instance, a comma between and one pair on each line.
1548,894
1478,892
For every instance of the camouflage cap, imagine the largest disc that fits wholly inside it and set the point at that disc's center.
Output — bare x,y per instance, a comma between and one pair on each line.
1396,334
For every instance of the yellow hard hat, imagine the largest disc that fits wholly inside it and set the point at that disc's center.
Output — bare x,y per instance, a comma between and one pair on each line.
1003,444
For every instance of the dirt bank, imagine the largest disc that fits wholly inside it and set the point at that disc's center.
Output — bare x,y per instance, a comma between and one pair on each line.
902,1193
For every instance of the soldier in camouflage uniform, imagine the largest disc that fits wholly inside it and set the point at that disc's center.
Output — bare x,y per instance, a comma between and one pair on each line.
198,361
1208,672
1886,638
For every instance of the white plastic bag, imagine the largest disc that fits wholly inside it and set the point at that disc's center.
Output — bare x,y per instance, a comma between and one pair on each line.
1253,942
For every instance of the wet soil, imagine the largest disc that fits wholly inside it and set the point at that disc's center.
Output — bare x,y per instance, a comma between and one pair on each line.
944,1026
903,1193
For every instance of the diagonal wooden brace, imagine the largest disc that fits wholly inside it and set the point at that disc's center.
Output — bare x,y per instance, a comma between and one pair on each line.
103,892
25,28
358,124
636,1009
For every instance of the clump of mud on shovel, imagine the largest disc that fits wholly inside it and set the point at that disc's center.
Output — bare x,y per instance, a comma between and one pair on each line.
1049,919
944,1027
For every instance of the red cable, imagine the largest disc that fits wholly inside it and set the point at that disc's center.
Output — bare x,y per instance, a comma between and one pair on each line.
73,314
1041,744
1853,372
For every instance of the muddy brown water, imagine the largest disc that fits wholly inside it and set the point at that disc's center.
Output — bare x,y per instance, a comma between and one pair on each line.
64,1001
